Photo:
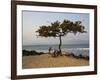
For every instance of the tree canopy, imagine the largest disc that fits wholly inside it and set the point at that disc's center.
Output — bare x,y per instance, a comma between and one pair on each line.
57,28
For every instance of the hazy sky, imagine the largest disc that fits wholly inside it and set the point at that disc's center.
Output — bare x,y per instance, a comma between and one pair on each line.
32,20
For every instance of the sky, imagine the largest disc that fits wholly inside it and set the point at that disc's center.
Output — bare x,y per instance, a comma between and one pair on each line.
31,20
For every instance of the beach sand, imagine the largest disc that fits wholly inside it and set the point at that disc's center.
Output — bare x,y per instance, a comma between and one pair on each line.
45,61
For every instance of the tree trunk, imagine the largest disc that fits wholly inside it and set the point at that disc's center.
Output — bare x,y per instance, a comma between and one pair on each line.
60,44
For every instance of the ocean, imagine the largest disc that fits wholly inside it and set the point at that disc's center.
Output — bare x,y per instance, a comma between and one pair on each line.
77,49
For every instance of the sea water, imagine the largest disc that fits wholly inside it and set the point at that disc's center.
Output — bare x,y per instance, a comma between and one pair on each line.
77,49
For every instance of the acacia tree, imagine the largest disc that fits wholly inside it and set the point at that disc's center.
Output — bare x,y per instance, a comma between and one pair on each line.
58,29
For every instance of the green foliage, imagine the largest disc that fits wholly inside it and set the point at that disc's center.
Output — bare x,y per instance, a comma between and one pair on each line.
57,28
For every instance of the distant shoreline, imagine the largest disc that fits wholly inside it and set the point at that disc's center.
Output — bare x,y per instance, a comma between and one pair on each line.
68,48
57,44
74,51
34,53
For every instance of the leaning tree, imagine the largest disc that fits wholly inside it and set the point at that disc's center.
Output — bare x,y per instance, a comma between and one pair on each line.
59,29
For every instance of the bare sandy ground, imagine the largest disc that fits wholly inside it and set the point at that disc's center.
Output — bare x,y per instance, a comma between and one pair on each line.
45,61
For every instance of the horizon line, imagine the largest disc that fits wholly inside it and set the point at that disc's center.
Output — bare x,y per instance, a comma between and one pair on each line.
53,44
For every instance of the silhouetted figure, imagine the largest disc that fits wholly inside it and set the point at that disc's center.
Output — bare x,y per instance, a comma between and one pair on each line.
50,49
